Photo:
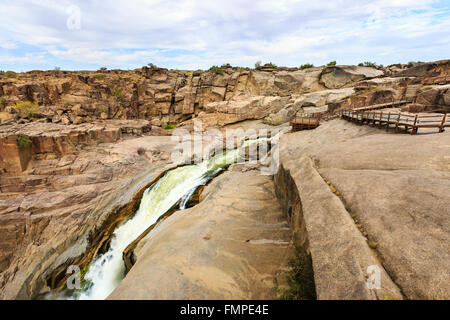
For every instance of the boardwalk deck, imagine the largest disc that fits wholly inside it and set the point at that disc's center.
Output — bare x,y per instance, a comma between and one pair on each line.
381,106
397,119
304,123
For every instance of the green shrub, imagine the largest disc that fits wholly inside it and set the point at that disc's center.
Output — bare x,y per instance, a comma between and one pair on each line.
169,126
257,64
271,65
189,73
10,74
216,69
306,66
26,109
23,141
300,277
99,76
367,64
331,64
119,95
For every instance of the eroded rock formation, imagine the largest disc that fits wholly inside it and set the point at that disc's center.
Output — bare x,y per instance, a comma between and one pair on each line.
97,138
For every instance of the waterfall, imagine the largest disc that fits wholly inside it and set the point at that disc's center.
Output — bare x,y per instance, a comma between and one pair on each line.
177,185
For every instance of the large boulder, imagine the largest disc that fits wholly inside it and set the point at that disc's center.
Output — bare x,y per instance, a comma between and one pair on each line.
340,76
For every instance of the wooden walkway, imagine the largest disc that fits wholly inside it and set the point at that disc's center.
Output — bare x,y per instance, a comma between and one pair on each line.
304,122
397,119
391,104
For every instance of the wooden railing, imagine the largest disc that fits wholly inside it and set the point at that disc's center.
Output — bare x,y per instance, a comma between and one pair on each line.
390,104
409,121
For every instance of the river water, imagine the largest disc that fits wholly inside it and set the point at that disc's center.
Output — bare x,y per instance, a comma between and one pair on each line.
176,186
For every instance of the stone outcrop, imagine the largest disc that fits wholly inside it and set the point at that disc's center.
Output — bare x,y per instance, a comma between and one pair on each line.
339,76
168,96
56,212
234,244
97,138
369,198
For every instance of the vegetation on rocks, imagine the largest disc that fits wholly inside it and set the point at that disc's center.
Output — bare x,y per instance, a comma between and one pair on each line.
331,63
169,126
367,64
373,244
2,103
119,95
306,66
99,76
216,69
27,109
10,74
300,277
23,141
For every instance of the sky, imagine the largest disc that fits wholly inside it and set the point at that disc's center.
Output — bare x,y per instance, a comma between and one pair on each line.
193,34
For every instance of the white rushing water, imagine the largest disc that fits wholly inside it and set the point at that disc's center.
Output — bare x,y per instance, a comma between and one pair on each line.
108,269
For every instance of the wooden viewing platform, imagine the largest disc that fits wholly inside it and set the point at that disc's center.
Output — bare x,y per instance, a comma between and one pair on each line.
391,104
408,121
304,122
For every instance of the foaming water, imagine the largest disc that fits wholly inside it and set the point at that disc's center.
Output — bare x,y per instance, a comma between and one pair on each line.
177,185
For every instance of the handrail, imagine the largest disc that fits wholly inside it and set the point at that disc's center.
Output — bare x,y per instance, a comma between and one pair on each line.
409,121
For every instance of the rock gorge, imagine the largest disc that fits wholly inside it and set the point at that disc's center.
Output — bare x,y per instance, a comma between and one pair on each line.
76,166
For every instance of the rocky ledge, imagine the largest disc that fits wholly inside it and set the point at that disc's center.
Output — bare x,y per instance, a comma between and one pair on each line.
74,161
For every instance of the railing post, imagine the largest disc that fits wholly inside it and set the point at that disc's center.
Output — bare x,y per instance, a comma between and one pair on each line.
398,121
388,119
441,128
381,118
414,128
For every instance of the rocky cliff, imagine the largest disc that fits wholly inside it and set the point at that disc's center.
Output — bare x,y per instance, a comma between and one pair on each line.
234,94
75,156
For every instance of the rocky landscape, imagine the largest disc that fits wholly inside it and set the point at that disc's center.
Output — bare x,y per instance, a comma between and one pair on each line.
78,149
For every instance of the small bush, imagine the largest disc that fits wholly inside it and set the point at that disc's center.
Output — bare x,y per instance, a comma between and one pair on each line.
23,141
271,65
257,64
153,66
99,76
141,151
367,64
306,66
26,109
331,64
189,73
57,69
373,244
169,126
300,277
119,95
216,69
10,74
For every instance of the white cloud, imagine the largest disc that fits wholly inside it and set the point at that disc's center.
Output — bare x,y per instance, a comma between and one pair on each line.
190,33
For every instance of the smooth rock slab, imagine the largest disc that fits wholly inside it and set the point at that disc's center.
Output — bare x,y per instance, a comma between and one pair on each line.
218,249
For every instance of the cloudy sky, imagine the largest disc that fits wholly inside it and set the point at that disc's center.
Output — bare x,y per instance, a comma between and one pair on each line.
191,34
